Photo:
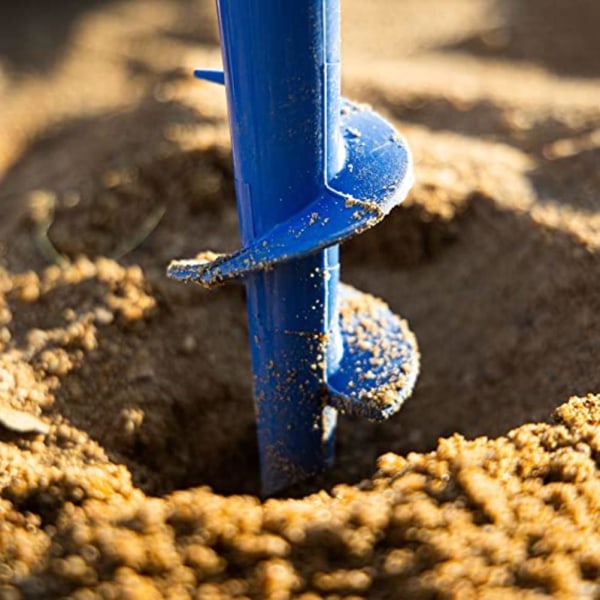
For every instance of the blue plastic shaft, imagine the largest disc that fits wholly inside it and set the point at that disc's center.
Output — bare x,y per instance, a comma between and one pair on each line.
282,75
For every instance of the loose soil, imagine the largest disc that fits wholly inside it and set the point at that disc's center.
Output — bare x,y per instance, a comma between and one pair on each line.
131,469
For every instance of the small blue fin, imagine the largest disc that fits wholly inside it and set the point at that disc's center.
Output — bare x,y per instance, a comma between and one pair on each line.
212,75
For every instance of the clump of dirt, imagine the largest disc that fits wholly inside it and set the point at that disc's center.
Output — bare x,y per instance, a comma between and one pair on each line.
91,343
133,472
506,517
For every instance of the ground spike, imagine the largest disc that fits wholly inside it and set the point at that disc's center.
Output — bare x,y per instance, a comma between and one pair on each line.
311,170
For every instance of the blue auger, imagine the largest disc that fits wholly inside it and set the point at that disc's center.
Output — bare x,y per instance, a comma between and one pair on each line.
311,170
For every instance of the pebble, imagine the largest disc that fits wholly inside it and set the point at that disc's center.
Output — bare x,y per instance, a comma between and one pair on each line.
189,344
103,316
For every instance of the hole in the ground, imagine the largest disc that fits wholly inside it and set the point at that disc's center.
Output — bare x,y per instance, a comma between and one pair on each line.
503,308
503,317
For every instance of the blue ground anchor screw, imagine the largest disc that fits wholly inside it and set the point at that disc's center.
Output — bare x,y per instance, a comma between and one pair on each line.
311,170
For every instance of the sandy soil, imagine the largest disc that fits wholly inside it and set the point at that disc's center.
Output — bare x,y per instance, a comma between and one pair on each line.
128,463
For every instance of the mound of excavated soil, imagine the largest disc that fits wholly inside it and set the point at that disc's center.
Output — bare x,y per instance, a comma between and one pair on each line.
128,464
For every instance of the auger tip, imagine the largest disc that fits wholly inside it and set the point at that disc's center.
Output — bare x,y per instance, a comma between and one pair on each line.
192,269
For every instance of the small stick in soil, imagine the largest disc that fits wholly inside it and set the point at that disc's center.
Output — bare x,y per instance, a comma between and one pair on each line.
42,205
150,223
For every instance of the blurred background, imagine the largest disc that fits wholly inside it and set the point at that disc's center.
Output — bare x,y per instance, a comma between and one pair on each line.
71,58
68,61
